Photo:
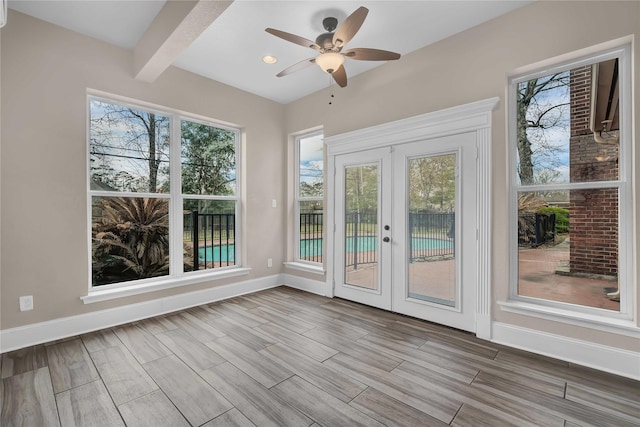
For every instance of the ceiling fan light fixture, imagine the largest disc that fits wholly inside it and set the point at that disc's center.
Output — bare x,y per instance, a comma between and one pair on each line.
330,61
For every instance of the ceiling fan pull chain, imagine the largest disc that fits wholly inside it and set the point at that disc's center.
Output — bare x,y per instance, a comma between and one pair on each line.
331,87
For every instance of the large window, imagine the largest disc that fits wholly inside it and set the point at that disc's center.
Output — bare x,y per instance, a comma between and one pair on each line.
309,198
163,194
571,186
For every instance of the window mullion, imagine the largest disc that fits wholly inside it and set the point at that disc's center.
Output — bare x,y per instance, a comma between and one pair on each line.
176,217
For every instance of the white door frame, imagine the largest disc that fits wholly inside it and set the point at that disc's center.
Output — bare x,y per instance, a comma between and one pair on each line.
473,117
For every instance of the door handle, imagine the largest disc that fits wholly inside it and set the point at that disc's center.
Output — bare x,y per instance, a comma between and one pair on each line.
386,239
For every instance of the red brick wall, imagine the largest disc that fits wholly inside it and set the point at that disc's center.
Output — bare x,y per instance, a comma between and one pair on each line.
593,214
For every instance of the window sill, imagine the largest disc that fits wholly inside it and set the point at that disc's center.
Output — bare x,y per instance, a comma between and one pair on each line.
618,326
157,285
309,268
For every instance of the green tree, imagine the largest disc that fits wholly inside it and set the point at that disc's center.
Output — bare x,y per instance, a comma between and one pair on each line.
129,141
432,183
541,106
208,160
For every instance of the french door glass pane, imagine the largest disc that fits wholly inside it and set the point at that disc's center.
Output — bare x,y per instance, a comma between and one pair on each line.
431,229
568,246
361,226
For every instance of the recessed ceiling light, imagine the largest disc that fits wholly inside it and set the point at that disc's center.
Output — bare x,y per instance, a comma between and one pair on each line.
268,59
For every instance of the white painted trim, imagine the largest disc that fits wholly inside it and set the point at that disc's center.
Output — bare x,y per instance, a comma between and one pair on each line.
37,333
309,285
306,267
604,358
472,117
141,287
464,118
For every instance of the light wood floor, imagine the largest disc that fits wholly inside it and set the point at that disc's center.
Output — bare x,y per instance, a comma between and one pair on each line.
283,357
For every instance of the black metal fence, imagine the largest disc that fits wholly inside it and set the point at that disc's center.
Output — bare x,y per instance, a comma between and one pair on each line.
431,235
213,239
535,229
311,236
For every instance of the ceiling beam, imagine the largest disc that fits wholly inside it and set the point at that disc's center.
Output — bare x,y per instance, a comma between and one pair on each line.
178,24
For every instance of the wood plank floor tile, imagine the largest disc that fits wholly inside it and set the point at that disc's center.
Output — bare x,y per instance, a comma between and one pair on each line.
553,405
308,346
604,401
250,337
392,412
253,400
333,382
122,374
144,346
152,410
510,410
231,418
256,365
239,314
193,396
283,320
23,360
469,416
191,351
27,399
199,329
440,365
323,408
427,400
87,406
358,351
70,365
337,361
156,325
100,340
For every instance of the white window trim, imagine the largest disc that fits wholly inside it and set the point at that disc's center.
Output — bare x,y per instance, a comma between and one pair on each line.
298,263
176,277
622,322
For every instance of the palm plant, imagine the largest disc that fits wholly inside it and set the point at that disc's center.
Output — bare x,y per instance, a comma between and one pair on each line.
130,239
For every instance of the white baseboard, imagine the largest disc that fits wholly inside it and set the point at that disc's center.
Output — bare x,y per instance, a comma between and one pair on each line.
604,358
37,333
304,284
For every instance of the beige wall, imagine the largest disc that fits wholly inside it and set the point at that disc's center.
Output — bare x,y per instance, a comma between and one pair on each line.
46,71
469,67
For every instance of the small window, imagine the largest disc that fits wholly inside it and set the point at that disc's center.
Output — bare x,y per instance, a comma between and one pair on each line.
145,167
309,198
570,185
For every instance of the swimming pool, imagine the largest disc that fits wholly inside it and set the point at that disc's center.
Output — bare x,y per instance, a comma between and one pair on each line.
313,247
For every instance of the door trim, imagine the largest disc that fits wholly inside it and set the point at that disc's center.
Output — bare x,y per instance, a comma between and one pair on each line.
473,117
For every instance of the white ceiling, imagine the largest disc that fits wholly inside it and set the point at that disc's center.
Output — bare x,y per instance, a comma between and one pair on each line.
231,49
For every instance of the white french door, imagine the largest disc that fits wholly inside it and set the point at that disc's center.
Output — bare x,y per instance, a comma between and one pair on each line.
405,236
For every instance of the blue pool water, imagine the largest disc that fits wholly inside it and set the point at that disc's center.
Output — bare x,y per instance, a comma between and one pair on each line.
219,253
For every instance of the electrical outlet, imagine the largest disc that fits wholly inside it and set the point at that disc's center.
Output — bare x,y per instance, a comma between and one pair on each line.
26,303
274,203
269,262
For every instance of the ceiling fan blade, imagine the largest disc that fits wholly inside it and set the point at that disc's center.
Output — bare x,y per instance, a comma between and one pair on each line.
293,38
340,76
364,54
350,27
296,67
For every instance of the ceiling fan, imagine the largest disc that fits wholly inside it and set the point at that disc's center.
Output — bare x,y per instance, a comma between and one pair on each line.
330,46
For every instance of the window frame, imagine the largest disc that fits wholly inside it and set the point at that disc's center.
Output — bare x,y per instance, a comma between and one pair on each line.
614,321
298,200
175,196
